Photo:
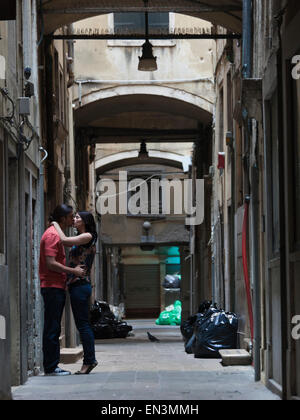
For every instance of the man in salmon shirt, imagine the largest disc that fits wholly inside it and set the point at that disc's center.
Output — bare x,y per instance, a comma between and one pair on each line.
53,276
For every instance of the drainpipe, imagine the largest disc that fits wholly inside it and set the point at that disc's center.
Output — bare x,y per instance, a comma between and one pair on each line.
252,177
254,198
254,209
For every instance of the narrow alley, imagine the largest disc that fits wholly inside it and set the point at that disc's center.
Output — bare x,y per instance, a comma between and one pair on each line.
150,175
136,369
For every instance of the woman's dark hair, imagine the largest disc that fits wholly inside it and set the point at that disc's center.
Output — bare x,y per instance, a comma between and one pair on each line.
63,210
89,221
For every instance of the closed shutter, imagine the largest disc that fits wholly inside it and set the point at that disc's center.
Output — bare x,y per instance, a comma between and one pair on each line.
142,290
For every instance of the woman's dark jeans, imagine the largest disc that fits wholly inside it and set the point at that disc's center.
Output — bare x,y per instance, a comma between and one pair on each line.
80,296
54,303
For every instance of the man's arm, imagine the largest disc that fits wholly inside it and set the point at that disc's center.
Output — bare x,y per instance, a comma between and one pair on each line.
53,265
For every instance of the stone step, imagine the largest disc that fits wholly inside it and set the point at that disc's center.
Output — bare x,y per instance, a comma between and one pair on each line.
235,357
70,355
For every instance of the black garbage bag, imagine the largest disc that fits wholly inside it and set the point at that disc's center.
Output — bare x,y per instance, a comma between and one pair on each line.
204,306
102,330
105,324
100,311
189,345
121,330
171,282
187,327
215,331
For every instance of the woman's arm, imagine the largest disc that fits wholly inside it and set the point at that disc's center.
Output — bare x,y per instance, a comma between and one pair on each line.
69,241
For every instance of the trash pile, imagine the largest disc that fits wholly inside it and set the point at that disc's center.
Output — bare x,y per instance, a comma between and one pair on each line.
210,331
105,324
172,281
171,315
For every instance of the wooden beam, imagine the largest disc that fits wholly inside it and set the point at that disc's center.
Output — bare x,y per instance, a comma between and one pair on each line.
142,36
119,135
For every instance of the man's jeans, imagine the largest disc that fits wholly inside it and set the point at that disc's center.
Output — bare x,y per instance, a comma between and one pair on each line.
80,295
54,303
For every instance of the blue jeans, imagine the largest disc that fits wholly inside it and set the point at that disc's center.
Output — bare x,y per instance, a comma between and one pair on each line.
80,296
54,303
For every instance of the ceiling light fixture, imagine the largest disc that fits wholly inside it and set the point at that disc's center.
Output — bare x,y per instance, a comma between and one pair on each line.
147,62
143,154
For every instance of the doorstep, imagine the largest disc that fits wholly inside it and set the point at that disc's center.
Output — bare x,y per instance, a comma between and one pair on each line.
72,355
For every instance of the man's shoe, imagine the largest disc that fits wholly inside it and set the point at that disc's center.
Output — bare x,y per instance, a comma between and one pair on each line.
58,372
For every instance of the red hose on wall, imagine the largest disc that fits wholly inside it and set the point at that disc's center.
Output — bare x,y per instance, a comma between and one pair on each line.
246,272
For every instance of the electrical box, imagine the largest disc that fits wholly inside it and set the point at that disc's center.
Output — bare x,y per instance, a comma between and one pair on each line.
221,160
24,106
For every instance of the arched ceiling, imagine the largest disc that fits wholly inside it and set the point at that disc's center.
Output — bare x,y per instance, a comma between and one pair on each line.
128,118
226,13
94,113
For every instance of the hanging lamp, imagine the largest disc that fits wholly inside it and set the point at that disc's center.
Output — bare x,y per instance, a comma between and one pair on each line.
143,154
147,62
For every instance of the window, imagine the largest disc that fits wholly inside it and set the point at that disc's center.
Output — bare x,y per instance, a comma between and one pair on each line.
135,22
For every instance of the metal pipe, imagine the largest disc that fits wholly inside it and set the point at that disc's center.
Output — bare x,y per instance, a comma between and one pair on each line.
253,178
255,272
247,38
27,31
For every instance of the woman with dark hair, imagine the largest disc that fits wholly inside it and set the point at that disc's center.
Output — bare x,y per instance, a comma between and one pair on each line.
83,249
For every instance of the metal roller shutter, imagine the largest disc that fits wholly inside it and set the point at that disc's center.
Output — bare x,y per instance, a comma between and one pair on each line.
142,291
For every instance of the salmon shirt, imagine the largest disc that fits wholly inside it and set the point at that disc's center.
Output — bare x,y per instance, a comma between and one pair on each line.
51,246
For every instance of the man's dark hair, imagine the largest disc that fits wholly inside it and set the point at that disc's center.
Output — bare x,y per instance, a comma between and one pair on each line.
63,210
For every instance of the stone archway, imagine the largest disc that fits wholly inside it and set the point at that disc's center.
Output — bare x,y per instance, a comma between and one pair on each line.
91,96
131,158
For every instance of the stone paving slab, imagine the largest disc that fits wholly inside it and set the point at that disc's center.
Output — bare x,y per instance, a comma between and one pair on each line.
136,369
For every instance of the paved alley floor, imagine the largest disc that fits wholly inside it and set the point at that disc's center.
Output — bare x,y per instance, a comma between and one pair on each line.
137,369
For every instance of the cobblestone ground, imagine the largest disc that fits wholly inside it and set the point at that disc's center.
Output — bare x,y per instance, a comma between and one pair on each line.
137,369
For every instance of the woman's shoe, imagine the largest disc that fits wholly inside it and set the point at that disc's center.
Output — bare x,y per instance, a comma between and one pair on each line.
89,369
